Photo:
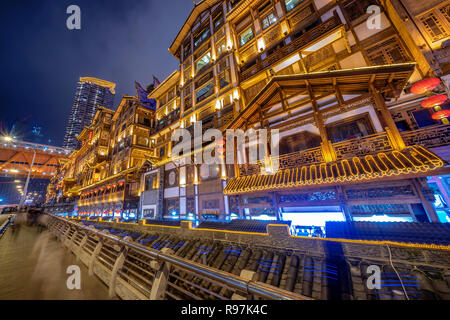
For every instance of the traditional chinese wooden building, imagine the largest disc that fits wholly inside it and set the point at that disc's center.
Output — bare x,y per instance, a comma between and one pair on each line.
334,77
337,89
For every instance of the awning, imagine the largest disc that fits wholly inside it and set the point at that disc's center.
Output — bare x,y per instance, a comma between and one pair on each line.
349,81
412,160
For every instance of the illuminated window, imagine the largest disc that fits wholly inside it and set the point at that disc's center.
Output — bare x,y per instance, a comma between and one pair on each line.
162,152
151,182
268,20
246,36
291,4
220,47
437,23
205,91
350,129
187,49
218,21
203,61
201,37
142,141
187,74
172,207
187,103
224,79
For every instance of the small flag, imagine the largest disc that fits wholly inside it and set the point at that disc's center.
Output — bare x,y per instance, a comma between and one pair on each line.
142,96
155,82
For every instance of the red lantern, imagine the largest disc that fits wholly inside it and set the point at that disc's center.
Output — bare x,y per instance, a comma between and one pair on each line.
425,85
434,101
441,114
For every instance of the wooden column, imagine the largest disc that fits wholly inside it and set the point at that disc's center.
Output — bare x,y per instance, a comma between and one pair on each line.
343,202
327,149
236,164
431,213
391,129
275,205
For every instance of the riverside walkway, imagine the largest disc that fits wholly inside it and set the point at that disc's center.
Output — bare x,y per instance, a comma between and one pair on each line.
33,265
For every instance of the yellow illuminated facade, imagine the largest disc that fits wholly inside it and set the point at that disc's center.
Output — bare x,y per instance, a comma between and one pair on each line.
354,141
336,90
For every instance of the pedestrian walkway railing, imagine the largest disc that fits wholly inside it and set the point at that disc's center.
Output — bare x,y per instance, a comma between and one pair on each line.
4,226
133,271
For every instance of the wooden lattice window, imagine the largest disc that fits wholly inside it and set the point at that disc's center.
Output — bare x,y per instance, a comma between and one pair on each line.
387,52
437,23
445,11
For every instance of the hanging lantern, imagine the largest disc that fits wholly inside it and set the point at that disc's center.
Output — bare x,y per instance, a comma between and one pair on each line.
425,85
442,115
434,101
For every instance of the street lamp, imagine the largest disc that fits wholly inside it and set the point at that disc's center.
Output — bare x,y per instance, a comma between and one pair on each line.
7,138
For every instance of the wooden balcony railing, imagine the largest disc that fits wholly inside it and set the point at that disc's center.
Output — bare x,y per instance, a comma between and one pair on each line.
285,161
296,45
429,137
357,147
347,149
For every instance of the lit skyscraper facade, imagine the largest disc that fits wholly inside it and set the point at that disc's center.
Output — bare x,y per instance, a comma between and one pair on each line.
91,93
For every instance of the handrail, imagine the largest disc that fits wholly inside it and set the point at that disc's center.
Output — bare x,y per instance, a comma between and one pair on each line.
5,225
231,280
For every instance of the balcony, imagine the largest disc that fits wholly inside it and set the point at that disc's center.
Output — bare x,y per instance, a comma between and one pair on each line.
359,159
347,149
166,121
429,137
362,146
408,162
299,43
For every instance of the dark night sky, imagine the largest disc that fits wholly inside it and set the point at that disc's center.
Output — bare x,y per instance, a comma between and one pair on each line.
41,60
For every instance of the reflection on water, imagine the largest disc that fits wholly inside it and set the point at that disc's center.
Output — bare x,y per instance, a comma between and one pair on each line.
33,265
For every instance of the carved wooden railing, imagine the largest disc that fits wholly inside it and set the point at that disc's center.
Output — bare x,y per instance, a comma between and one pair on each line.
357,147
430,137
295,45
371,144
285,161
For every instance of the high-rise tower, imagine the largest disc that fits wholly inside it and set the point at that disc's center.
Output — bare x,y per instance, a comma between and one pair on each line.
91,93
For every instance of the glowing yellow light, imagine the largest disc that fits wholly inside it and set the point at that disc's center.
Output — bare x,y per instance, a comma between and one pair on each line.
284,28
219,104
236,94
261,44
229,44
373,166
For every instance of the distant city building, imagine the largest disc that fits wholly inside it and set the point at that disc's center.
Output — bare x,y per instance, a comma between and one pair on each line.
91,93
11,189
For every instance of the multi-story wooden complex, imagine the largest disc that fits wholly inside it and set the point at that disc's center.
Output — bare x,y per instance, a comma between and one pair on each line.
333,77
103,176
